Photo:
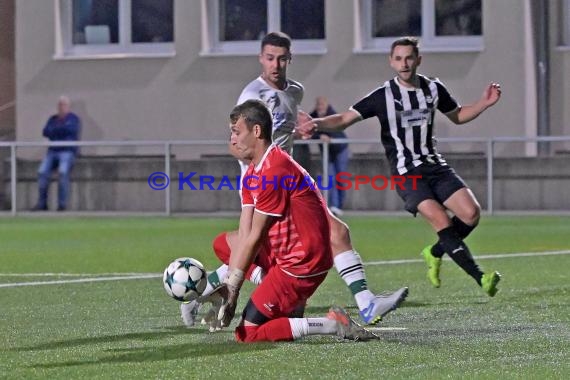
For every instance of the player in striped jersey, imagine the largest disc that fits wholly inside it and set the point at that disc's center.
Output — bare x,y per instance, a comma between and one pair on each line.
405,107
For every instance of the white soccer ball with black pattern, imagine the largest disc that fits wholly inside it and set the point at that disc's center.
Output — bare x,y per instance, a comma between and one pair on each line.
185,279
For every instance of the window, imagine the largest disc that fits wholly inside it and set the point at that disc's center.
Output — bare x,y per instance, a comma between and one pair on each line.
109,27
242,21
441,25
458,18
237,26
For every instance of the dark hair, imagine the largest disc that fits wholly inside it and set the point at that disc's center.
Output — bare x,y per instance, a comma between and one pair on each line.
277,39
406,41
254,112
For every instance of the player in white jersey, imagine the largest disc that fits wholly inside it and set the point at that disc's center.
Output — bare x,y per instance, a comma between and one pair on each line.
283,97
284,105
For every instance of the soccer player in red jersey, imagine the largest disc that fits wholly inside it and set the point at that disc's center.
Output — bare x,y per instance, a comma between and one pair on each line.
283,96
284,229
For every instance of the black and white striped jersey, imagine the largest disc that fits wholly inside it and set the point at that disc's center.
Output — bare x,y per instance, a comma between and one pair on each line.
406,118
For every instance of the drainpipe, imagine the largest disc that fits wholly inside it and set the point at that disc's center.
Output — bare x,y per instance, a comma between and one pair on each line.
540,26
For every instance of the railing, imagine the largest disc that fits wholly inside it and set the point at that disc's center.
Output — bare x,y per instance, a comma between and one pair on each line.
167,146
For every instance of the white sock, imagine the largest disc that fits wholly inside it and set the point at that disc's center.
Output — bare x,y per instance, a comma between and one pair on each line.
257,275
215,279
301,327
349,266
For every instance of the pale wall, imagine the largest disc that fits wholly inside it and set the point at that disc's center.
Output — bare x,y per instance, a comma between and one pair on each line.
189,97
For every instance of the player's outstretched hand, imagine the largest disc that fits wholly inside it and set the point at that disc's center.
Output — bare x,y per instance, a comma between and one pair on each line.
230,295
305,125
210,319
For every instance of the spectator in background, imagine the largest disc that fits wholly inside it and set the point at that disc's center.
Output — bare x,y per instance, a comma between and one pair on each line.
63,126
338,155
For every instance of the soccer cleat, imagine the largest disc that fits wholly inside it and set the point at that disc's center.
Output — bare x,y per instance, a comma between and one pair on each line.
489,283
383,304
434,265
189,312
347,328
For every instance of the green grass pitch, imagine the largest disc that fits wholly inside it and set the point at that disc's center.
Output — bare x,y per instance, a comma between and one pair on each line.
130,329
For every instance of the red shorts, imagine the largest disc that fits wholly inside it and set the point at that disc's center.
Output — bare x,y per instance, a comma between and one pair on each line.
279,294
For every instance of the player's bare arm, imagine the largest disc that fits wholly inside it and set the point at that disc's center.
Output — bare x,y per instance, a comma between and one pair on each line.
241,259
305,120
249,245
245,221
337,122
464,114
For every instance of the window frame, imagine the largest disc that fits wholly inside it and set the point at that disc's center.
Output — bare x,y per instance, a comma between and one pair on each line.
365,43
212,46
65,49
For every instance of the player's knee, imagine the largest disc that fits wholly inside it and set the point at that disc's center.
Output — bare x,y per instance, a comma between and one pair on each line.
221,248
246,334
472,215
340,234
241,334
298,312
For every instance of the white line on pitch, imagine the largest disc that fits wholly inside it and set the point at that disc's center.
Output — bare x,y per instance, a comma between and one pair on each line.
74,274
137,276
79,280
482,257
386,328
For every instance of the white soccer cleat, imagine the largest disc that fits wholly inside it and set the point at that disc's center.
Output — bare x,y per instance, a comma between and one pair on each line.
189,312
383,304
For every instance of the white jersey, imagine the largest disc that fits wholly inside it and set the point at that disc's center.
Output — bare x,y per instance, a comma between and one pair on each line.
283,104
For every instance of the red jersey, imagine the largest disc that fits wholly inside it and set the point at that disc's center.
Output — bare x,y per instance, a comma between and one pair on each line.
300,236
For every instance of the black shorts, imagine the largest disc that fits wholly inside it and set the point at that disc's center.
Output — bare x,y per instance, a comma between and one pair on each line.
437,182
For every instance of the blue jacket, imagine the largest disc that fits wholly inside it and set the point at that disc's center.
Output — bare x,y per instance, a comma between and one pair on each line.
66,129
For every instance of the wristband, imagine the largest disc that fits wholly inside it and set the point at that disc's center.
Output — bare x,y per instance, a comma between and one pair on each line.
235,278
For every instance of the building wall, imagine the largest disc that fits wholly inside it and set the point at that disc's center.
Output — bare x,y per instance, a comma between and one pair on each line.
189,96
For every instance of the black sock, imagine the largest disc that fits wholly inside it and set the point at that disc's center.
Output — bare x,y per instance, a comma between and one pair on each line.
461,229
459,252
437,250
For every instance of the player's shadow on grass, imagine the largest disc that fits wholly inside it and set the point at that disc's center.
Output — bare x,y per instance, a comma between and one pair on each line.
143,336
163,353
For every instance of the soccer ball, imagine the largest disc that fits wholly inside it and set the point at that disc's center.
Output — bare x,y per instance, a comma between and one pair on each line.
185,279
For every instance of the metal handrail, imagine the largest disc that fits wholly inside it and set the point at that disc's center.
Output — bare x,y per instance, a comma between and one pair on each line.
168,144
